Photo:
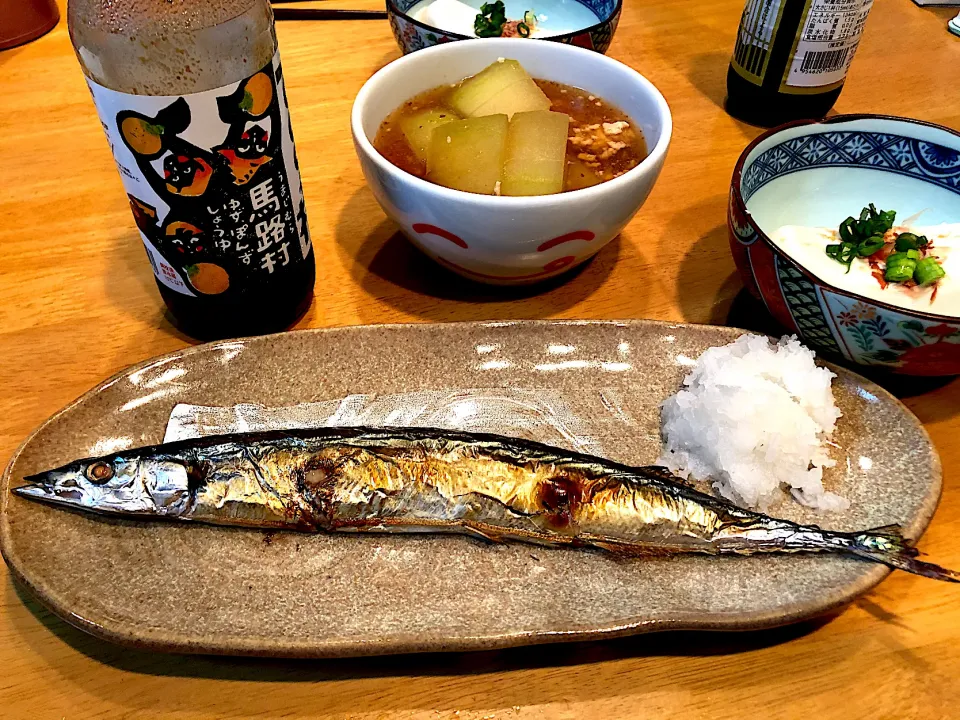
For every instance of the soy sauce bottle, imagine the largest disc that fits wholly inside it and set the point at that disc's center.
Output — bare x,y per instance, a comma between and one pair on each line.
791,58
191,97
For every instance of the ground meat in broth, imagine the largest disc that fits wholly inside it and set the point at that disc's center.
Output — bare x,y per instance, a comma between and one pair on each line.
601,136
602,140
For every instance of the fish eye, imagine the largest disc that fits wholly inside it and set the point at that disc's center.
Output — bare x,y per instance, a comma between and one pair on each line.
99,472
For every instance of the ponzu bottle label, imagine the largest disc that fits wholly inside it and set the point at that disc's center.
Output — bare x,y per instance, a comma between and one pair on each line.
213,181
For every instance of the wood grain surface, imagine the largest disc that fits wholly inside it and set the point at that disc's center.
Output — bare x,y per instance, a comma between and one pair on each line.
78,303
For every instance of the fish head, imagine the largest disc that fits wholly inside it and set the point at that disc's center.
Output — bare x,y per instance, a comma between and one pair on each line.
127,483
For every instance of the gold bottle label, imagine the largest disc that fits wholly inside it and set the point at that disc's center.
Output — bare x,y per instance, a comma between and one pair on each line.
758,28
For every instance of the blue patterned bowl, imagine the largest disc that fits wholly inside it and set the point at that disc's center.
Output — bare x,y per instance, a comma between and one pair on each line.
413,35
816,174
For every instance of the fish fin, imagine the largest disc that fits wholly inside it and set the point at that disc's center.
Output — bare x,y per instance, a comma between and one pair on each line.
612,548
625,550
893,530
888,546
476,531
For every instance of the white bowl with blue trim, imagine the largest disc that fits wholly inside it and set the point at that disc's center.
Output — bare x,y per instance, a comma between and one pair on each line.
594,21
817,173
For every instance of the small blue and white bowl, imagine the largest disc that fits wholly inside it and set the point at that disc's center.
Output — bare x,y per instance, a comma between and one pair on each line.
414,35
815,174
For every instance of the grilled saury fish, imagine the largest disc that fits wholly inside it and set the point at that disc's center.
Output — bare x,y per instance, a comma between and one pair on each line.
426,480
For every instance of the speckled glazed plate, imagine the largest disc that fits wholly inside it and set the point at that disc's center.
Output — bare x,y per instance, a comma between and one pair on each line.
191,588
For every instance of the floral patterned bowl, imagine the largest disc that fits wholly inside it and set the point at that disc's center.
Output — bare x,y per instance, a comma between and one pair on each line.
818,173
414,35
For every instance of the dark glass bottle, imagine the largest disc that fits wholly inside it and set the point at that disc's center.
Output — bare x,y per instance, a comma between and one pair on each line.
791,58
191,97
261,312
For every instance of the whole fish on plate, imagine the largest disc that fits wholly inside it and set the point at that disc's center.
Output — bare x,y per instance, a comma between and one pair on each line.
426,480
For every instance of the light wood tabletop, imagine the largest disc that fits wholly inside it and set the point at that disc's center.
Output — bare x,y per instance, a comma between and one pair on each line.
78,303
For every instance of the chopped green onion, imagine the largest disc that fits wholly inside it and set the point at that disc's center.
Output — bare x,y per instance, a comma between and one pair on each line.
842,253
862,236
871,245
490,20
928,271
523,30
900,267
846,229
879,221
907,241
529,18
888,217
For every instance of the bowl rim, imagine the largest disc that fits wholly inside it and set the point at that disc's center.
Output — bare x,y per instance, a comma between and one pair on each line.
618,8
655,155
737,196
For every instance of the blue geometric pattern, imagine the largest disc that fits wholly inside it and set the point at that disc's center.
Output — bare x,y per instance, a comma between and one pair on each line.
745,233
601,8
935,164
801,297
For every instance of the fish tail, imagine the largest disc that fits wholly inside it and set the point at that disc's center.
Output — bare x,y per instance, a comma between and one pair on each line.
887,545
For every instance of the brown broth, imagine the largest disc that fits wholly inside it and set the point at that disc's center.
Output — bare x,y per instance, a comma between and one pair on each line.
593,155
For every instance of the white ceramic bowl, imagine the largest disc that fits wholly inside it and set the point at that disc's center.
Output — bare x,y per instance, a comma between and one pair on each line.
510,240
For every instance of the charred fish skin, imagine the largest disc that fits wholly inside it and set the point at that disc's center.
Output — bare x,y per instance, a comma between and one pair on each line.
430,480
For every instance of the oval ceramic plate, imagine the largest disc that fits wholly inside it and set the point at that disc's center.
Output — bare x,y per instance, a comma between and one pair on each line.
191,588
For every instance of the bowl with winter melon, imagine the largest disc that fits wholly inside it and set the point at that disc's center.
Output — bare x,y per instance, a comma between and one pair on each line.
848,229
510,162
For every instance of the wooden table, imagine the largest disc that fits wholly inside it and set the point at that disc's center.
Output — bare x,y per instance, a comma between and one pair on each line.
78,303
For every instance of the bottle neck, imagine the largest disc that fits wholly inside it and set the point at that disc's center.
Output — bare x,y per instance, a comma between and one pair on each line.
174,53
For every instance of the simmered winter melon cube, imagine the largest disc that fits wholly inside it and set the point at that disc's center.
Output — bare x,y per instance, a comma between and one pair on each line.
580,176
536,153
418,128
503,87
468,154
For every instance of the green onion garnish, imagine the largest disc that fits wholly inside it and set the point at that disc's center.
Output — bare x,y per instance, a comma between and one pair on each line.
846,229
870,245
863,236
928,271
907,241
490,20
900,268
